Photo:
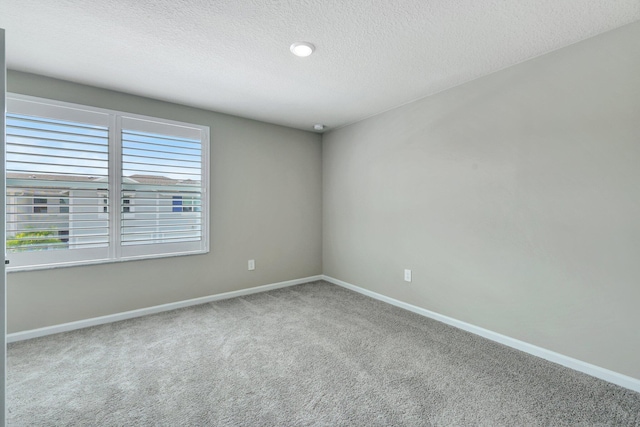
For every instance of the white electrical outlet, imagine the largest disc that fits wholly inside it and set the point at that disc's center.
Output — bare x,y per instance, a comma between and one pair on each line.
252,264
407,275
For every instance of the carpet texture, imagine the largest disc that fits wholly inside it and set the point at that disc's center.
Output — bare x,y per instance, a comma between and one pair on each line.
308,355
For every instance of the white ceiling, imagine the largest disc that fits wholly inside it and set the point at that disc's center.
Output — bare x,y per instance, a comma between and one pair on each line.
233,56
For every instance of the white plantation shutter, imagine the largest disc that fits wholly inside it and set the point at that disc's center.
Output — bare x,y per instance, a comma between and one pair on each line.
87,185
162,192
54,200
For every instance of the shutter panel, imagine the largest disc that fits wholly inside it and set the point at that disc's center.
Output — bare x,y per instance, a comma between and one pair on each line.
161,193
57,184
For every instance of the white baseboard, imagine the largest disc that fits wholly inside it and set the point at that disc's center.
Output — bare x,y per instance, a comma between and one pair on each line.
575,364
64,327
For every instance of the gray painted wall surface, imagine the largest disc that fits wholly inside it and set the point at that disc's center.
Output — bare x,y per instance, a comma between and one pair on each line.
265,205
515,200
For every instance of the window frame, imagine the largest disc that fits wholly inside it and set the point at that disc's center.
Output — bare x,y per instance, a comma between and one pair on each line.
113,119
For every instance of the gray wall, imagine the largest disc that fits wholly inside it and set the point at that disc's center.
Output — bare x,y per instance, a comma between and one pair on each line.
265,205
515,199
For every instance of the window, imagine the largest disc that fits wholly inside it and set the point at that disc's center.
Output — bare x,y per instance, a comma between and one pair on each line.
87,185
177,203
64,206
39,205
185,204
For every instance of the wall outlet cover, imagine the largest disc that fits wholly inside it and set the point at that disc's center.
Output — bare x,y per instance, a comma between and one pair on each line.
407,275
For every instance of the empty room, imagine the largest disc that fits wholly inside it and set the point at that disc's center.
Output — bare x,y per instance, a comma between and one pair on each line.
321,213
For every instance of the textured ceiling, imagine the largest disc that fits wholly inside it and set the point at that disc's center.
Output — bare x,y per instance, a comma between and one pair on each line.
233,55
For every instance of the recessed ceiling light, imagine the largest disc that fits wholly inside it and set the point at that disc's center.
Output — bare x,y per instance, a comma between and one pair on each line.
318,127
302,49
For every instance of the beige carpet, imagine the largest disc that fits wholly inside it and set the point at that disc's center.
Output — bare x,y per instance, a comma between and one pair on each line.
309,355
